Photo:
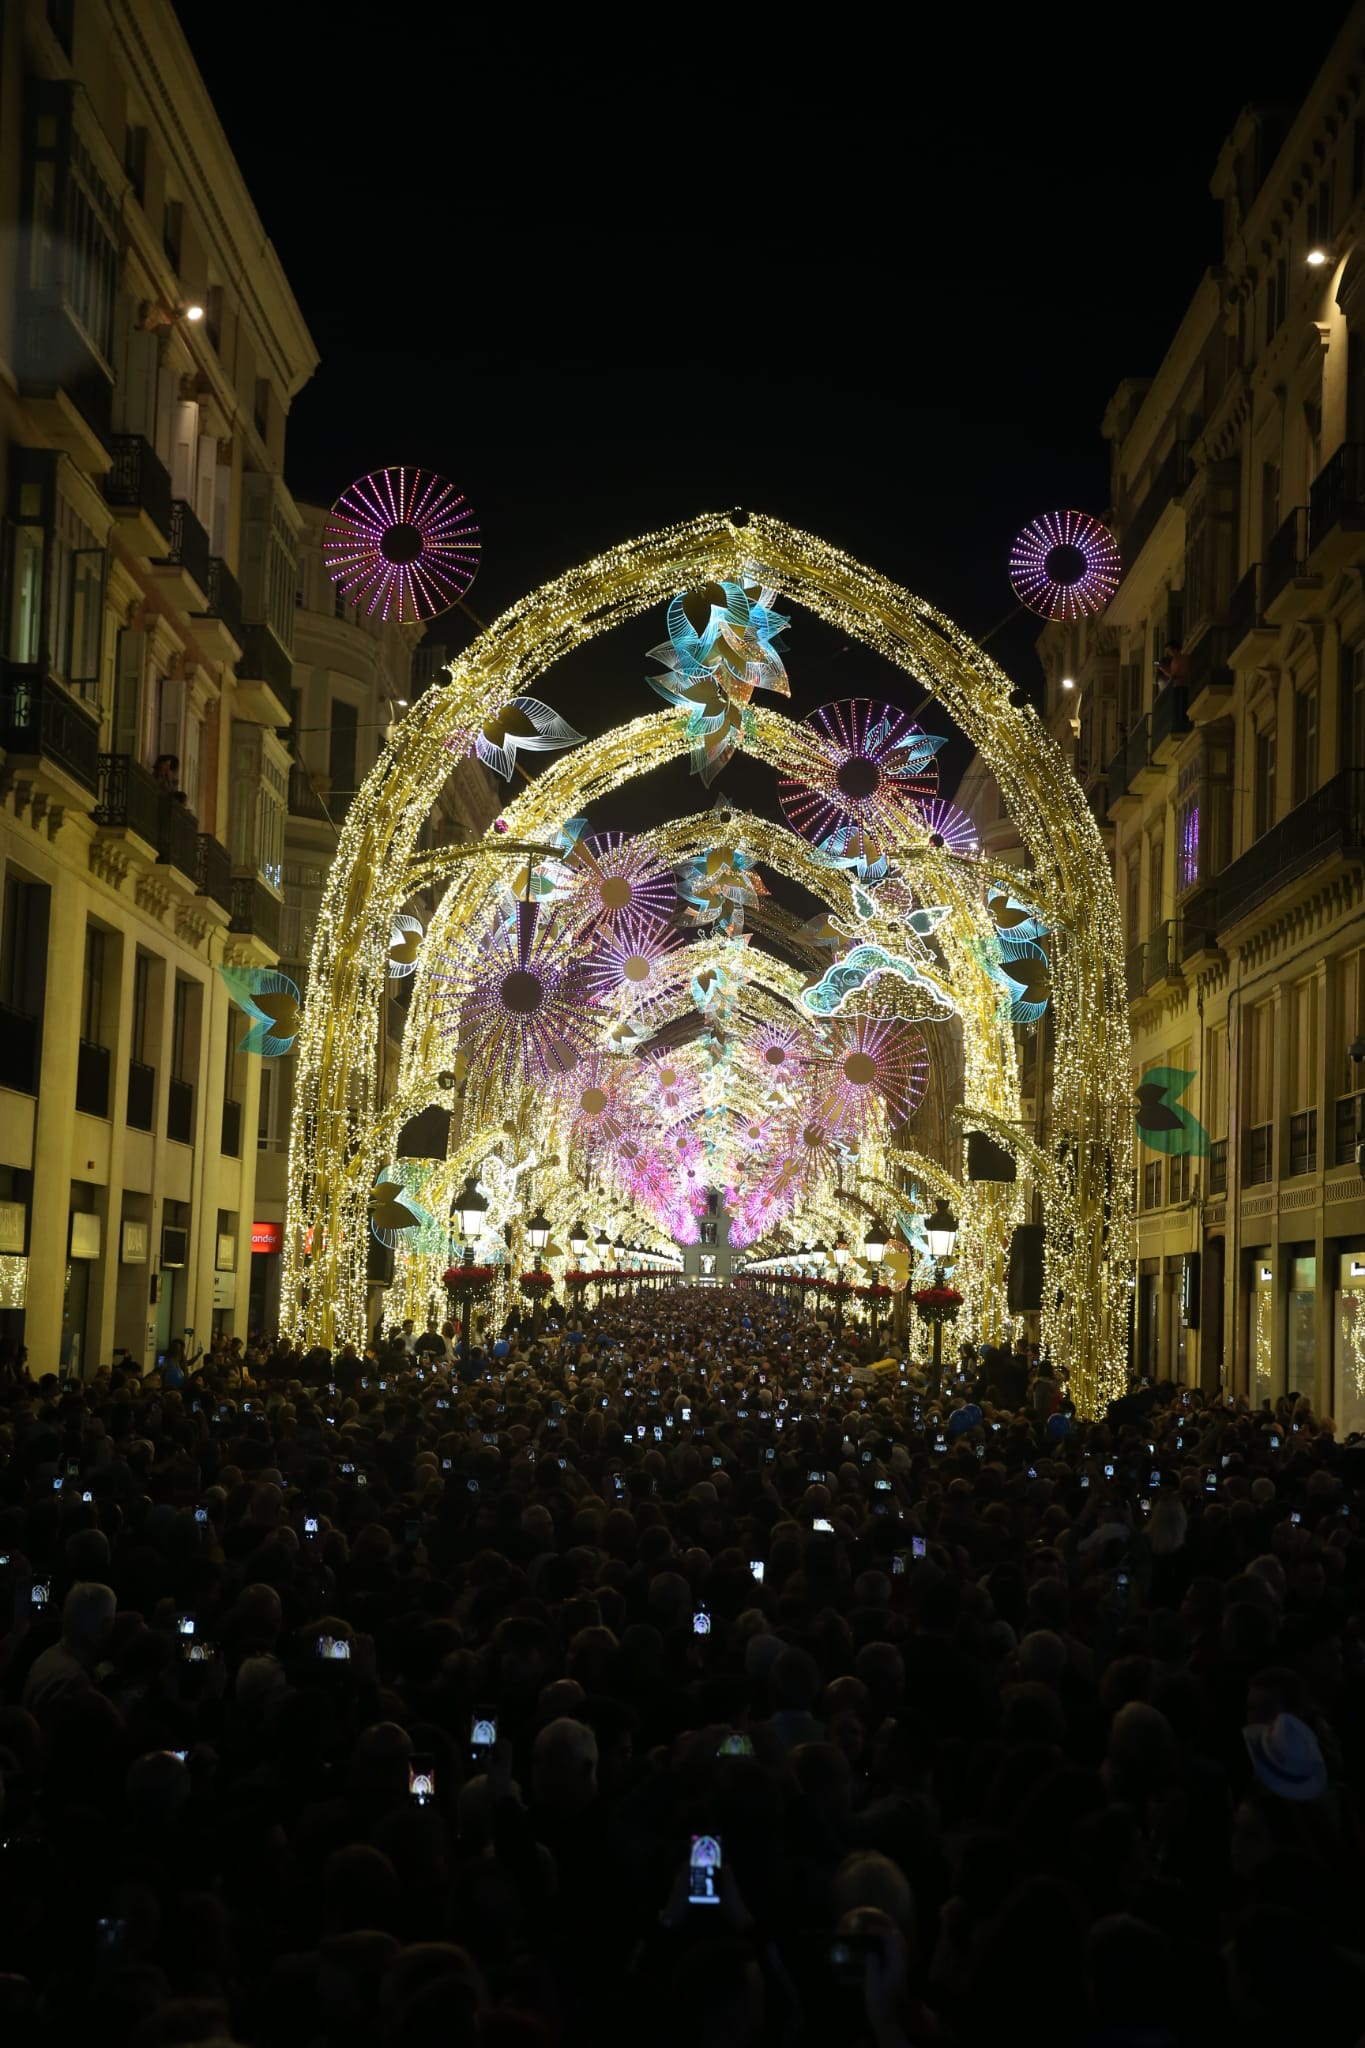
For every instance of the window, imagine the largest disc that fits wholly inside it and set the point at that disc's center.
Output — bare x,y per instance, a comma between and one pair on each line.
1156,878
260,410
1263,795
342,744
1151,1184
1132,896
265,1126
92,987
135,160
172,226
1305,743
1187,842
23,946
1353,709
142,999
185,1030
1179,1179
1259,1059
270,815
1303,1142
1270,502
54,578
72,219
213,315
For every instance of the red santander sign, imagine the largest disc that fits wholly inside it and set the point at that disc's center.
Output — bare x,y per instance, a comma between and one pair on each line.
267,1237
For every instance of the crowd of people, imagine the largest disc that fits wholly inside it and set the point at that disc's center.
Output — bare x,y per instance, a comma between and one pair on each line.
697,1673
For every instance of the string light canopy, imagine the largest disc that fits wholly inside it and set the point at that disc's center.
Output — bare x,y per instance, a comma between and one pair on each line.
402,544
1065,565
346,1119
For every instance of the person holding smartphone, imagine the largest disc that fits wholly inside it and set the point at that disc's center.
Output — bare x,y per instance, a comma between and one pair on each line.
72,1665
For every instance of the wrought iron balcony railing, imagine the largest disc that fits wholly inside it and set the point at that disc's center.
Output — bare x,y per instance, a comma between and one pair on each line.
139,481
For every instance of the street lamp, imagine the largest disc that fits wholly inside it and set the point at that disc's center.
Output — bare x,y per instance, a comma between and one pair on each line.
538,1230
840,1261
941,1231
874,1251
578,1240
470,1208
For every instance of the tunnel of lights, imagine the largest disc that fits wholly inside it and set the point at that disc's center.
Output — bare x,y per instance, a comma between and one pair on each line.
617,1027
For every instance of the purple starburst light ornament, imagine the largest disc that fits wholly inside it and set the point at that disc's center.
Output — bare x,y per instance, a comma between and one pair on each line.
1065,565
527,1006
950,829
880,757
402,544
621,878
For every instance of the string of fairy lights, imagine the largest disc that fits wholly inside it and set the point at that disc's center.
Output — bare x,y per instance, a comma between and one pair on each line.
918,951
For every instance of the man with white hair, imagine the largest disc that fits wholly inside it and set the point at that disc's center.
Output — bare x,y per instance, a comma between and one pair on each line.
68,1668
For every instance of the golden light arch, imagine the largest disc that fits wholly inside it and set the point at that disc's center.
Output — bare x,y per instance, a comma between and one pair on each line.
1088,1195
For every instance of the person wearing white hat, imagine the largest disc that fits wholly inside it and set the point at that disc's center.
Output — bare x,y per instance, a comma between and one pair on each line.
1286,1757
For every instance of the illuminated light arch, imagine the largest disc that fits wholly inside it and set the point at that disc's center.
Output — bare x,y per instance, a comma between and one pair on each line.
1088,1222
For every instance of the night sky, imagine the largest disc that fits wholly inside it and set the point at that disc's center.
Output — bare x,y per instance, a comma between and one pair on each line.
882,291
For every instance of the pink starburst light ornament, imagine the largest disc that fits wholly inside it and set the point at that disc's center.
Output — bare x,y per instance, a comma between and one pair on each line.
401,543
620,878
874,756
628,965
876,1060
1065,565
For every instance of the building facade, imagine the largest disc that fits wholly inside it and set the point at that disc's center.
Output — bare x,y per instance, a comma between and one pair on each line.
354,678
1216,715
150,349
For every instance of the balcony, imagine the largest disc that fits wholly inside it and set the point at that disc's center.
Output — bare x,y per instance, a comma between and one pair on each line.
92,1078
1287,587
255,912
213,872
1145,772
130,798
1162,962
231,1140
1328,823
1134,970
1218,1167
180,1112
1245,616
1170,721
1348,1129
40,721
182,573
265,677
1336,510
219,627
177,839
1209,685
1303,1143
304,801
1166,487
1198,935
139,489
1116,779
67,384
1258,1155
141,1096
20,1037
